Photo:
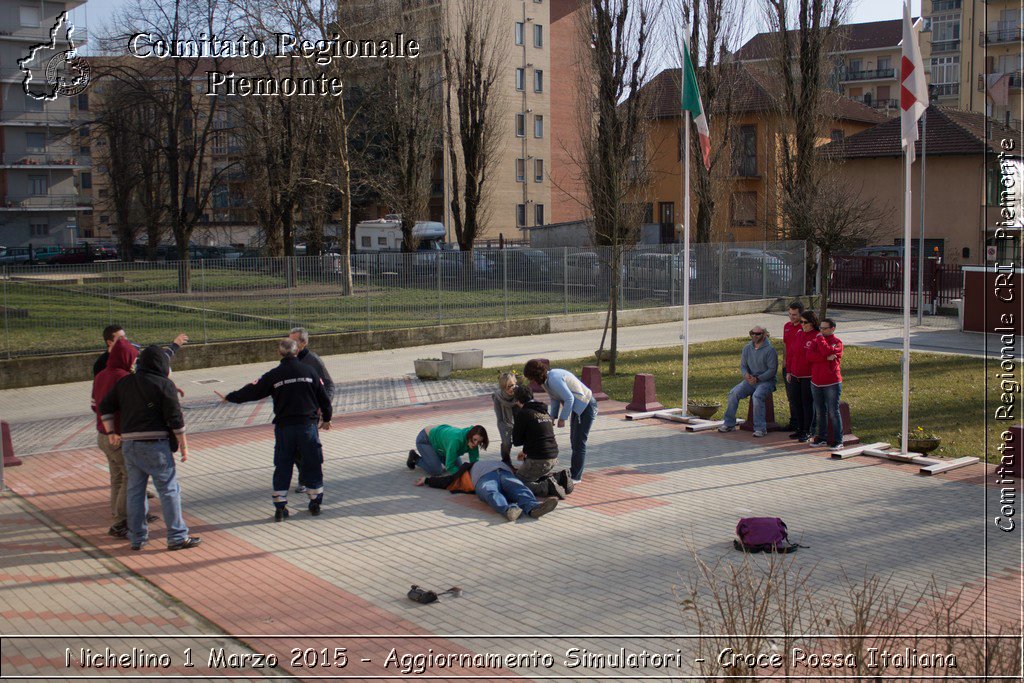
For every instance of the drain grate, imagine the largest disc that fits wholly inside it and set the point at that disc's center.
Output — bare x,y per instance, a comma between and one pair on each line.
209,381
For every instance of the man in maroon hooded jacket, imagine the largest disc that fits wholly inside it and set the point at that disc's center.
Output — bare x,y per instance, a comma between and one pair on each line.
119,364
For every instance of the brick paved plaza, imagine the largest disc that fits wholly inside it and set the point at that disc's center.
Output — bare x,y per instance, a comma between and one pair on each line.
607,562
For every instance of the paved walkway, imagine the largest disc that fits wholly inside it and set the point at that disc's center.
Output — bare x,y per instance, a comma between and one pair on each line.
610,561
57,417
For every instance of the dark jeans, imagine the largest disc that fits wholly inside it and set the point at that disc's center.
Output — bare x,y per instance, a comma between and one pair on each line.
826,410
579,430
795,409
298,442
805,414
501,489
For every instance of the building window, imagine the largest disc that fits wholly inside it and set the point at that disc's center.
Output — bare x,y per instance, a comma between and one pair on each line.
521,215
744,208
520,79
945,30
83,102
744,151
83,131
538,81
30,16
102,193
884,63
538,170
946,70
85,180
520,125
382,241
648,212
538,35
520,32
538,126
35,142
39,229
104,219
366,241
39,184
538,214
520,170
85,150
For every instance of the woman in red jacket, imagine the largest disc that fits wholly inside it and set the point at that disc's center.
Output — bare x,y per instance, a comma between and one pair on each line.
119,364
826,353
798,372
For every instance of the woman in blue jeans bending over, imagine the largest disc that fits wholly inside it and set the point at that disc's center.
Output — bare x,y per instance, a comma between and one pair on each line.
571,400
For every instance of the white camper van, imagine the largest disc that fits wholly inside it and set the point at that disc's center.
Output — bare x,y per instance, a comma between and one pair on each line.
385,234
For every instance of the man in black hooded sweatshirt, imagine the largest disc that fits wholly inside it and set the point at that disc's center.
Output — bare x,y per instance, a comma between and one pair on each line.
534,430
150,416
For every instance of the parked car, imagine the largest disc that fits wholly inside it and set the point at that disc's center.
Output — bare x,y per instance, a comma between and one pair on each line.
655,271
86,253
745,268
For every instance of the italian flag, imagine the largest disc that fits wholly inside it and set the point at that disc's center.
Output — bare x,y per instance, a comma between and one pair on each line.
692,104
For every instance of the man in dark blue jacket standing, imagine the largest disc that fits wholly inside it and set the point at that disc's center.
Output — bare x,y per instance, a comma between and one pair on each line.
300,401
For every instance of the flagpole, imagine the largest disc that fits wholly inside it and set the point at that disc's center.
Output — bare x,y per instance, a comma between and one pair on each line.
686,265
920,239
906,299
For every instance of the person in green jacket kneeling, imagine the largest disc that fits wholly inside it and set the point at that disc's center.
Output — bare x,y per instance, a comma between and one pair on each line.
439,448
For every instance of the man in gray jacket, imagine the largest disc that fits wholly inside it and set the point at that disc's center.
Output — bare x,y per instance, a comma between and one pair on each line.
759,364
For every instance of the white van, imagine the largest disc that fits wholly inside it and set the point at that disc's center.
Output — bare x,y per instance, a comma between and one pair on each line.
385,234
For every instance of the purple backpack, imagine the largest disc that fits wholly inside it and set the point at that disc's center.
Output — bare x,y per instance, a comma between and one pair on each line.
763,535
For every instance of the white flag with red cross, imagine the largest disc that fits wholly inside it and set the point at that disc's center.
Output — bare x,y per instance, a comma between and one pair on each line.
913,85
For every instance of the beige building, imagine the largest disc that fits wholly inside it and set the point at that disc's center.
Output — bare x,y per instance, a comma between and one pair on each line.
962,185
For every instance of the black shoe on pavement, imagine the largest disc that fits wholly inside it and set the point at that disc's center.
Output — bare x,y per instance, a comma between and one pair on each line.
189,542
413,458
314,509
565,481
139,546
795,435
544,508
118,530
280,514
152,518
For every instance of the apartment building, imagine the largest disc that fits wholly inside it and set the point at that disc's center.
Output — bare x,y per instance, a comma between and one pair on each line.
39,201
866,64
988,58
748,201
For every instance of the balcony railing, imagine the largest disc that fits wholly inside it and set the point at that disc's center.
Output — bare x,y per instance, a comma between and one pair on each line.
30,159
1006,35
37,118
34,35
45,201
868,75
877,104
944,89
945,46
1014,80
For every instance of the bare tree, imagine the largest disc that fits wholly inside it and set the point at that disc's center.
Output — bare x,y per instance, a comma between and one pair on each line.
473,54
840,218
187,129
806,33
715,27
114,121
615,161
404,115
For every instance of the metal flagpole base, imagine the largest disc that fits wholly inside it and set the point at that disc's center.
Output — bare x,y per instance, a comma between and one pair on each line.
693,423
928,465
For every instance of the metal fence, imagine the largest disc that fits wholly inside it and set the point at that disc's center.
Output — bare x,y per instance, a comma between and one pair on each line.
61,309
877,282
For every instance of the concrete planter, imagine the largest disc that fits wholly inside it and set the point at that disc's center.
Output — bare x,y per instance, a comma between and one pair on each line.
466,359
433,368
922,445
704,412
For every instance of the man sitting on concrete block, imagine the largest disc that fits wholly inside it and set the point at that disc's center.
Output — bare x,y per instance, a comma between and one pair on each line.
759,363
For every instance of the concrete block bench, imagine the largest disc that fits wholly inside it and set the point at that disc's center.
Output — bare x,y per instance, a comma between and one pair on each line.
464,359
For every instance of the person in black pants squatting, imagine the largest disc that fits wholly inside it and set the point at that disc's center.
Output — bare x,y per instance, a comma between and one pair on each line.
298,396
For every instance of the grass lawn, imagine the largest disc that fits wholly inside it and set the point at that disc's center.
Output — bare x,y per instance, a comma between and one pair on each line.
946,391
69,318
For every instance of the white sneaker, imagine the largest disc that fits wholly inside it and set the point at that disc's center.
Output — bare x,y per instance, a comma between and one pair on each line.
723,429
576,481
513,512
760,433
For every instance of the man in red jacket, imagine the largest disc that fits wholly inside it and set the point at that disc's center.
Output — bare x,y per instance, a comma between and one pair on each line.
791,341
826,353
119,364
